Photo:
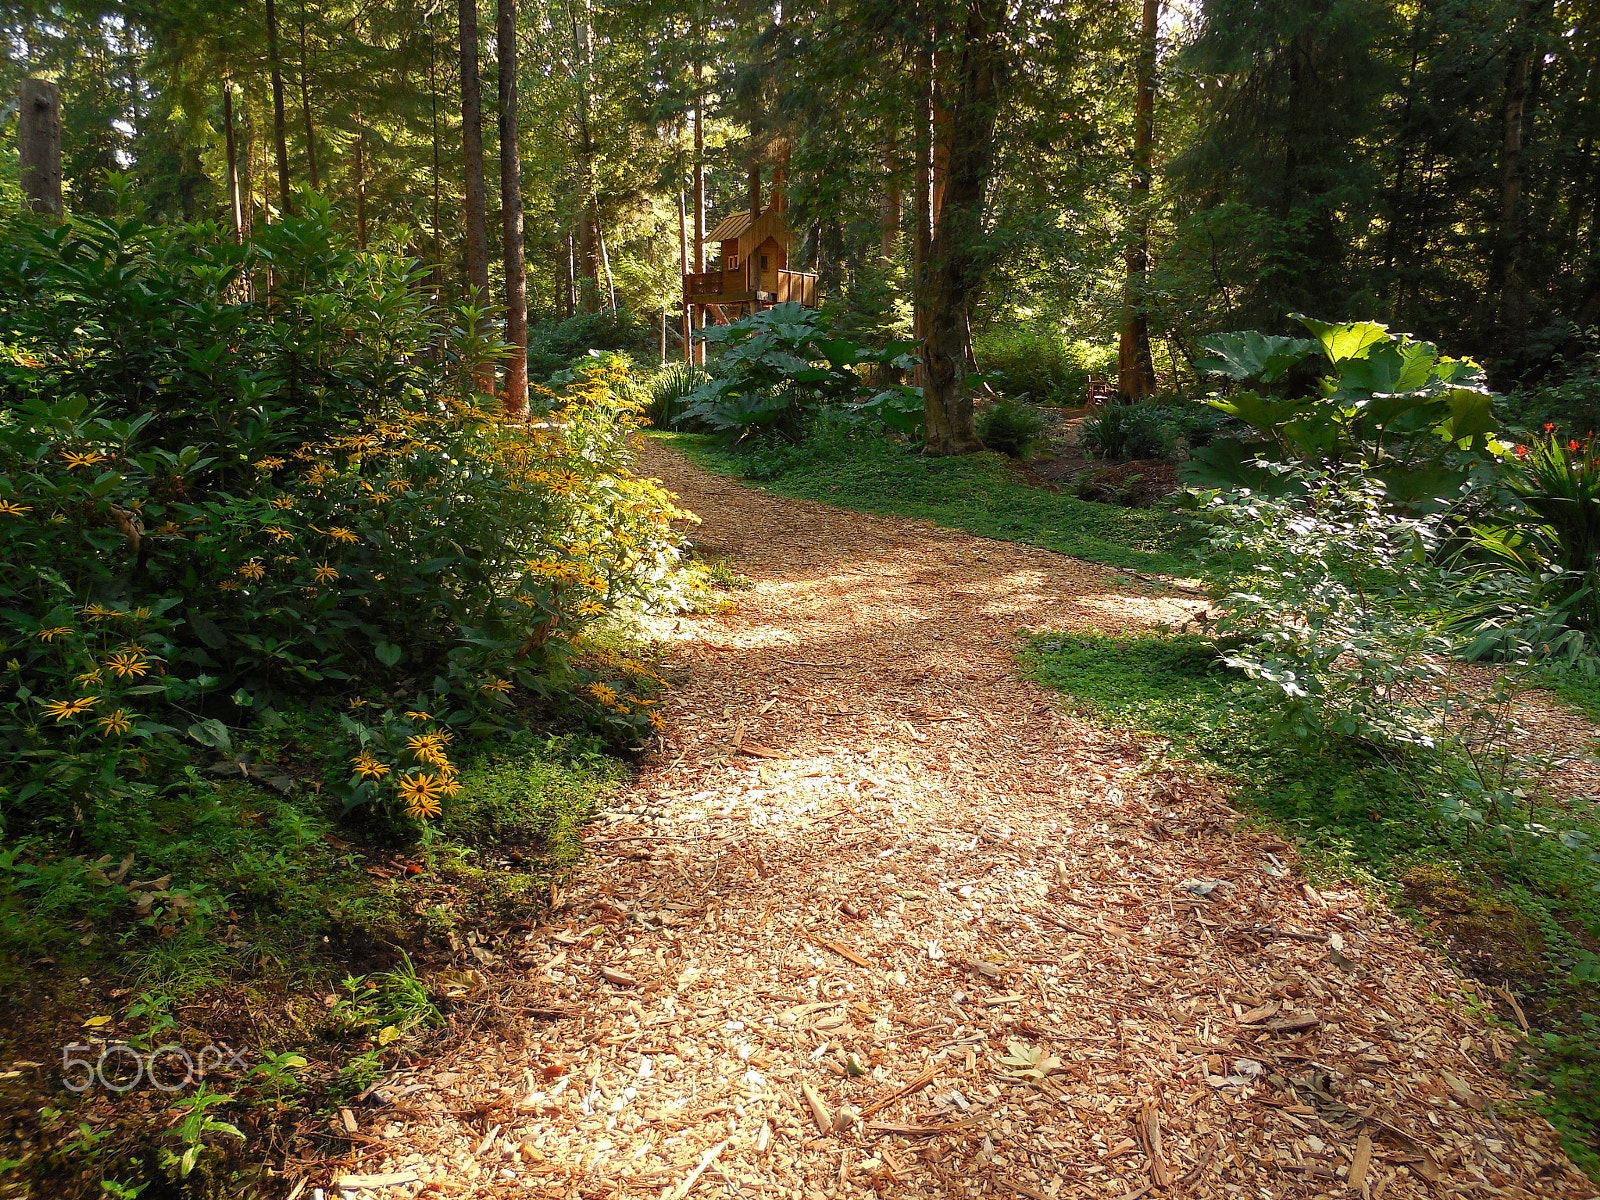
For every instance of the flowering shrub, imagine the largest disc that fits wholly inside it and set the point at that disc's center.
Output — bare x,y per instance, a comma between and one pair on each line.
1551,533
213,505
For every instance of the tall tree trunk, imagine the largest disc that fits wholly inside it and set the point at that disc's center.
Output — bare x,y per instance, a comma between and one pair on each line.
890,202
235,209
957,260
39,145
1135,367
361,180
305,107
516,392
477,230
922,210
588,201
572,278
280,132
1506,284
433,114
699,352
605,260
683,261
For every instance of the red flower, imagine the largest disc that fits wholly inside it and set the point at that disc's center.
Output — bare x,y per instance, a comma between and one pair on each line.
1549,426
1522,452
1572,445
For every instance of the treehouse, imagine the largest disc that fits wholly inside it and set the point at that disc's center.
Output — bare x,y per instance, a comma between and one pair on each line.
750,270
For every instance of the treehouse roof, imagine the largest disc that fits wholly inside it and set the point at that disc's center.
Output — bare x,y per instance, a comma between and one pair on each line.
730,227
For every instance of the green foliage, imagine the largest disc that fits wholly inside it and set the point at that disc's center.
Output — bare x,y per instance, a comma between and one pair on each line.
1010,428
1126,431
779,368
1567,397
1549,532
556,346
363,528
1353,393
1036,362
975,492
669,390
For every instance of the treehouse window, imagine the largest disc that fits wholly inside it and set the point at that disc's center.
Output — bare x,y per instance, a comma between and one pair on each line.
763,262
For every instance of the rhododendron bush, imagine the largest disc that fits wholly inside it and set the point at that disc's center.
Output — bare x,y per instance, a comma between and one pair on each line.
235,478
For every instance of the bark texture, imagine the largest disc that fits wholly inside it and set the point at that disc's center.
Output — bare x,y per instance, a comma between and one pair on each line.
516,389
958,258
39,145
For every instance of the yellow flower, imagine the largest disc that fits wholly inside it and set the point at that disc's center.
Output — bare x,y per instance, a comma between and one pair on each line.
358,702
170,529
116,724
12,509
74,460
125,663
368,767
98,612
278,532
418,716
282,502
51,634
657,721
450,787
142,613
269,464
602,693
496,685
421,794
89,679
253,571
228,585
340,534
66,710
323,573
423,807
590,608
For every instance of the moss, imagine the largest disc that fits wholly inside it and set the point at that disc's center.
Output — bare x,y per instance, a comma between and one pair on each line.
1494,939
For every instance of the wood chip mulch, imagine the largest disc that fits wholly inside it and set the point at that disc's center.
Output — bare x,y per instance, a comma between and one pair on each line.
880,919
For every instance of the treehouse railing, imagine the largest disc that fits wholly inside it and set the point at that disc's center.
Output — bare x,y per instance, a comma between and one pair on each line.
799,287
738,285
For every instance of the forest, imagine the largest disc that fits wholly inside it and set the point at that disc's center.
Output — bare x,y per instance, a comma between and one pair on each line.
799,600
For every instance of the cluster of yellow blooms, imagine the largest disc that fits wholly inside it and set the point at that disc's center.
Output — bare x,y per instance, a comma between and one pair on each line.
124,663
424,786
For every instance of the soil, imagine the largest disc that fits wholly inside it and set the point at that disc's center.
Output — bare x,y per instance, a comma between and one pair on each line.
1060,465
877,917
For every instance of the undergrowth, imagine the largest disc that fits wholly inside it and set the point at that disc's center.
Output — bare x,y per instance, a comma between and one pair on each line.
291,909
1532,919
980,493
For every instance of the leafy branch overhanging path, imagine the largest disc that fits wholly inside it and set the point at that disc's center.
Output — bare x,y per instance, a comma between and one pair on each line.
879,917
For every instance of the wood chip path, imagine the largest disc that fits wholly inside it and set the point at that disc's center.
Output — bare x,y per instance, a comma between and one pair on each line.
880,919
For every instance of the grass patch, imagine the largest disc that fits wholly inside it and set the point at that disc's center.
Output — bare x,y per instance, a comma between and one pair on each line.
266,905
980,493
1532,919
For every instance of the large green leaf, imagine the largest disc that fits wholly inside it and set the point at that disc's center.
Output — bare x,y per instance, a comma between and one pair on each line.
1388,369
1251,356
1260,412
1471,417
1341,342
1228,464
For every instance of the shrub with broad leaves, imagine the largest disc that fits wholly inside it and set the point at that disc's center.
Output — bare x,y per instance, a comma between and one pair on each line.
232,477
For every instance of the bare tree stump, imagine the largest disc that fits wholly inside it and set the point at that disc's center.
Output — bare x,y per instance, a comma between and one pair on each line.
39,145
